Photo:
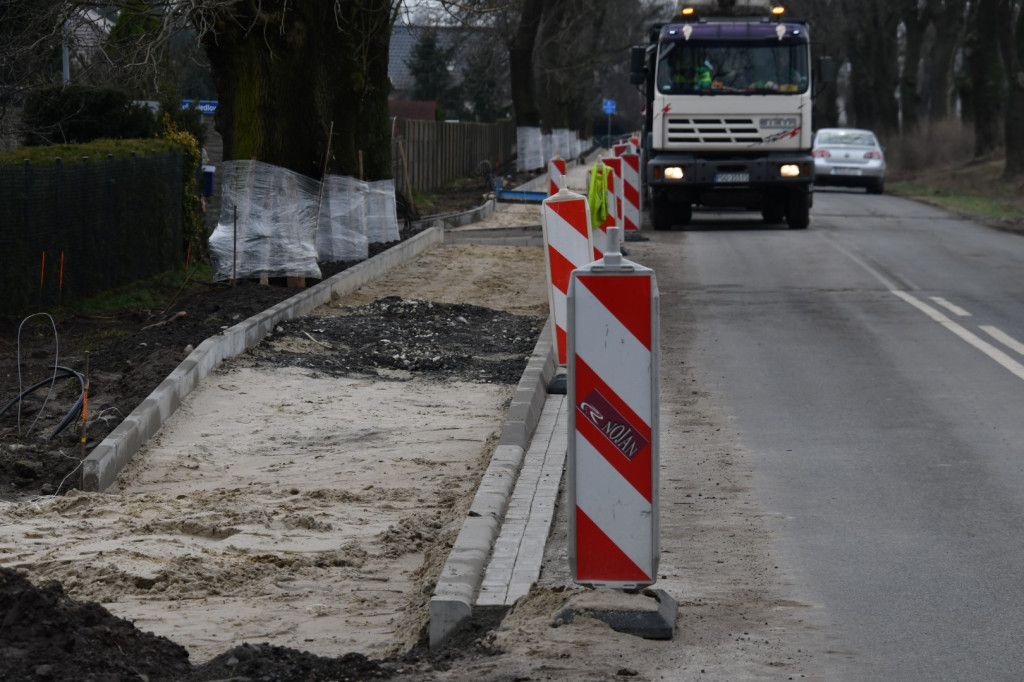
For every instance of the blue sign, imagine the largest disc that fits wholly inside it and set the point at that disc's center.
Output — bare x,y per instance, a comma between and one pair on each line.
207,106
609,106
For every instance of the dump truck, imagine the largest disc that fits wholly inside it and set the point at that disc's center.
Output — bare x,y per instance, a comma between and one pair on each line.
728,95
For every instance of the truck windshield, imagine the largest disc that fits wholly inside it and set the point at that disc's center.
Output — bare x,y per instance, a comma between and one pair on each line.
694,67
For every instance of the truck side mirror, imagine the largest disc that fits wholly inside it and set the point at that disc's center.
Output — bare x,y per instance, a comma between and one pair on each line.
637,57
826,70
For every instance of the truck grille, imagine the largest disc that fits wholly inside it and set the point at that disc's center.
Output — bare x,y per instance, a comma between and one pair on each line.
683,130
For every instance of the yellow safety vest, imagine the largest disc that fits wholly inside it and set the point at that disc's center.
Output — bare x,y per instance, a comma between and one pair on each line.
597,194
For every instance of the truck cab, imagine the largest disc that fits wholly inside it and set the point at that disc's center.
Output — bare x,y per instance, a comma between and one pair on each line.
728,95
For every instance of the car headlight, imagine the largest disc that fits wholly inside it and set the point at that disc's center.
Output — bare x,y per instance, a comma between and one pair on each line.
673,173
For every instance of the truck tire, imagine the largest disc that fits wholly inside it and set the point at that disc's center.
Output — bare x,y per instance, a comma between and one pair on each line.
661,217
774,210
798,209
665,213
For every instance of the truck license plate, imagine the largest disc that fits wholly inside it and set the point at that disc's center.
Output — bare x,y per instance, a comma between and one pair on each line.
732,177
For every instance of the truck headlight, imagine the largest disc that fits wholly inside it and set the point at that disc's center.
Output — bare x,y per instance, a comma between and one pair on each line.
789,170
673,173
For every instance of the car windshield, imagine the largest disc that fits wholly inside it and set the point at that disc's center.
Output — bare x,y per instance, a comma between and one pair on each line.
695,67
853,138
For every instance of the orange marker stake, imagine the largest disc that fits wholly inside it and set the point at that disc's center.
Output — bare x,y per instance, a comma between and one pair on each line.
85,402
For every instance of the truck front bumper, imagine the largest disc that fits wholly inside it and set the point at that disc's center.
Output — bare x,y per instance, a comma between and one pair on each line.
693,173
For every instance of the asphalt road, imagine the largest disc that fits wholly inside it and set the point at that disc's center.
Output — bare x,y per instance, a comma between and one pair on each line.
871,370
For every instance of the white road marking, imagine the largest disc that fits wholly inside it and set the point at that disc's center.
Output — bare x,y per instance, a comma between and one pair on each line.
951,307
1008,363
1004,338
985,347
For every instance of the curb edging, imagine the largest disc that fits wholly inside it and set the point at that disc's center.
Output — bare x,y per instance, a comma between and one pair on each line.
463,572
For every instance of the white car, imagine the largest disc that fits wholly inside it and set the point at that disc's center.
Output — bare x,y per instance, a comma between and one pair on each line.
849,157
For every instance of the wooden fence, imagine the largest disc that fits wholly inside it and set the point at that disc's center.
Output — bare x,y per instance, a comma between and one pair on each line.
425,155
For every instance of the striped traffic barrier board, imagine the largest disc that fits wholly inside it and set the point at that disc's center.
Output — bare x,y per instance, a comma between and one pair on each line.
613,431
631,206
567,245
556,175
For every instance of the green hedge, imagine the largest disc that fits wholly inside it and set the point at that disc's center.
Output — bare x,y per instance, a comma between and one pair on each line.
77,220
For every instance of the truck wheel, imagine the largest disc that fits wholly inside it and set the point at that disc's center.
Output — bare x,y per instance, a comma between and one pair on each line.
661,214
773,211
798,210
684,213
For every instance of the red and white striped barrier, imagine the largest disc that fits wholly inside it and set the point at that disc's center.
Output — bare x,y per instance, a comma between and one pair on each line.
613,431
556,175
567,245
620,149
631,206
614,202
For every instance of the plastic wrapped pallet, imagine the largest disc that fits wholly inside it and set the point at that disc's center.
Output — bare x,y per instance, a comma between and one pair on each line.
529,149
381,212
267,226
342,228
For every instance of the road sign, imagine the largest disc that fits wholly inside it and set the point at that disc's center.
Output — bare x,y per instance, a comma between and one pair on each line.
609,106
206,106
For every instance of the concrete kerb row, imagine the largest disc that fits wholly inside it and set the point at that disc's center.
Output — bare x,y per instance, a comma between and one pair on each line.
449,220
462,575
105,462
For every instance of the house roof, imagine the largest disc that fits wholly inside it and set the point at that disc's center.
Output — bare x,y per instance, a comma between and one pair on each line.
403,41
426,111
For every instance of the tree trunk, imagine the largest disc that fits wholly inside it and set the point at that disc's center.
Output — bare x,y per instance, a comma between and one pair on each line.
1010,42
520,64
948,22
285,71
910,96
873,53
984,85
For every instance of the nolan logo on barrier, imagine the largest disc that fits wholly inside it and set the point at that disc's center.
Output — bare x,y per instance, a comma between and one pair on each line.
612,425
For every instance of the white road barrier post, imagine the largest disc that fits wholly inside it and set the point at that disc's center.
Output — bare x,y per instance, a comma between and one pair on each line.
613,329
631,206
567,245
556,175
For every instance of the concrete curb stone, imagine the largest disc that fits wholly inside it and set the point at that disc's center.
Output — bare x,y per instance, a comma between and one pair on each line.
463,572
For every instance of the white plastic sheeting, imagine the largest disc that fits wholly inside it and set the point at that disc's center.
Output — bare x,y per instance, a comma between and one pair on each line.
529,149
268,221
341,231
381,212
534,149
561,143
278,223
